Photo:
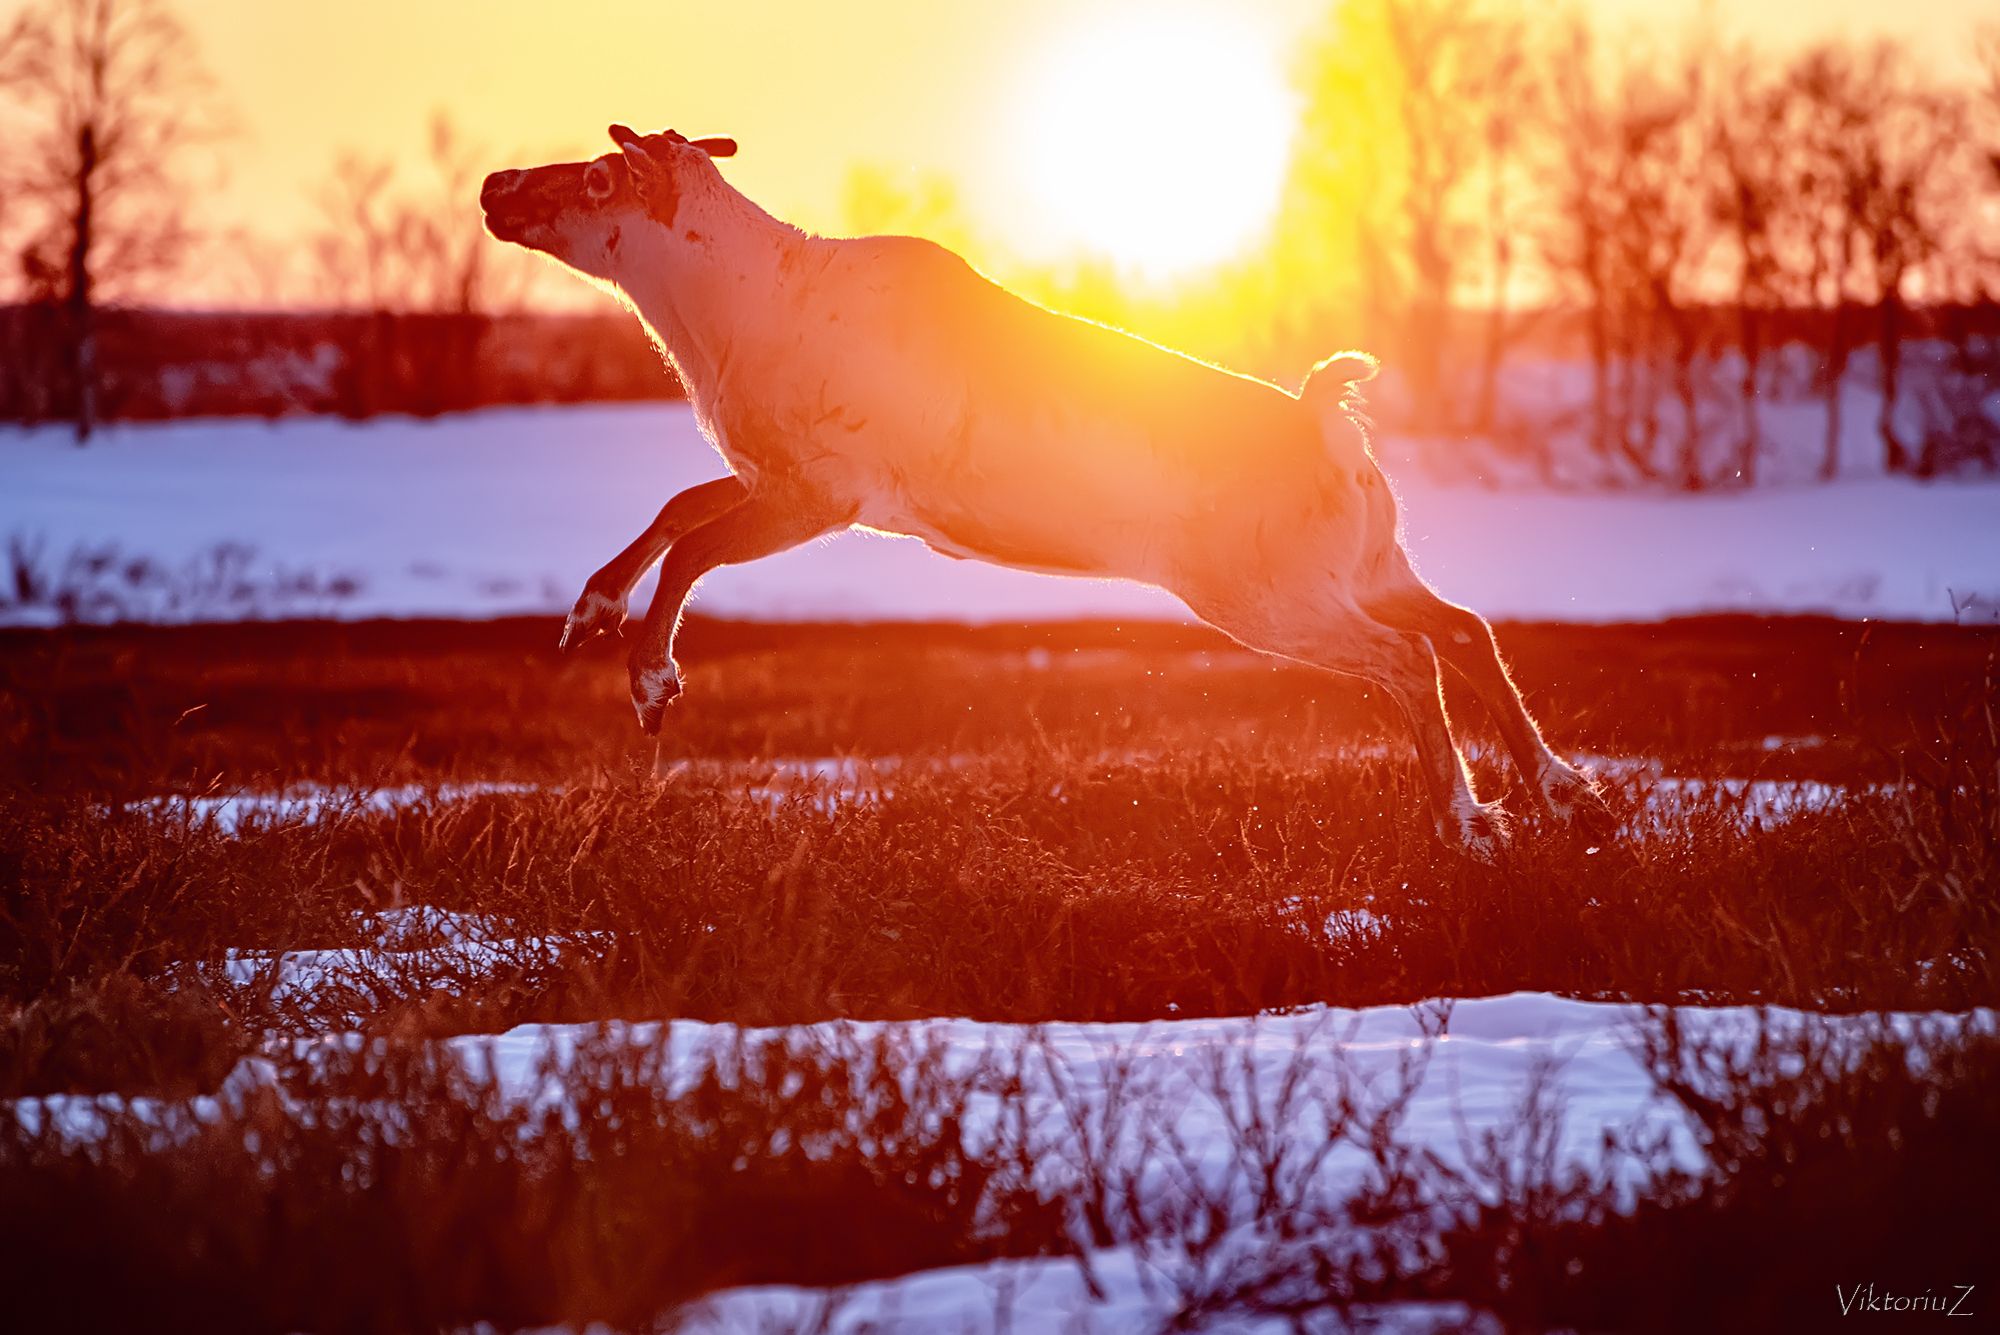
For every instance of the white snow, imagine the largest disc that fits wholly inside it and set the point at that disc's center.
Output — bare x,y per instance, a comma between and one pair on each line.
441,949
308,803
1486,1049
1164,1107
828,783
1754,803
1471,1066
510,510
1134,1291
1475,1065
825,782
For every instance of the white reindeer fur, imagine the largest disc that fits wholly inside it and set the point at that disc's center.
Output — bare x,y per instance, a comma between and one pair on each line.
882,382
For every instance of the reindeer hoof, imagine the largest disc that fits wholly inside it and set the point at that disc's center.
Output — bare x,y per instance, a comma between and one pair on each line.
593,615
1573,798
1479,830
653,689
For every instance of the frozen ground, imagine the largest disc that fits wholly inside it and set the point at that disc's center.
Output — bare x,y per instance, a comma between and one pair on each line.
1161,1106
827,782
508,511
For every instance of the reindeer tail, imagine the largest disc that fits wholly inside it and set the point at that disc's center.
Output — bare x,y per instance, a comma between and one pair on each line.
1330,393
1331,383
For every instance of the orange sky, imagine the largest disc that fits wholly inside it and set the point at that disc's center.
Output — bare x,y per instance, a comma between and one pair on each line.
810,89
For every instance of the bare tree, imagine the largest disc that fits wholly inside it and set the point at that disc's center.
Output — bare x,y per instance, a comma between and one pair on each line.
13,68
1506,94
1961,281
354,251
1899,147
1747,193
115,98
1986,98
1829,106
1435,43
1391,136
395,248
1662,240
416,271
18,380
1626,236
1679,209
1575,243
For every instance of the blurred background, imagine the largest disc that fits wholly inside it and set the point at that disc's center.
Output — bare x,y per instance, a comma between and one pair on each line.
1616,257
1658,245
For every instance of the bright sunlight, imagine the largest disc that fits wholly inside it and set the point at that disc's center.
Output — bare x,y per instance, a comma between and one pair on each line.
1157,141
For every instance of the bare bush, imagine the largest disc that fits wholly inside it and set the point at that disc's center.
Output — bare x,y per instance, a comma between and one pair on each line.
413,258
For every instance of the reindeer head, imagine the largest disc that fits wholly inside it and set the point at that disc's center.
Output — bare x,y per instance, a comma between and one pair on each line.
579,212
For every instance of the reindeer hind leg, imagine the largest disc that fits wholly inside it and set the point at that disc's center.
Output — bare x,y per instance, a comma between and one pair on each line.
1346,641
1465,640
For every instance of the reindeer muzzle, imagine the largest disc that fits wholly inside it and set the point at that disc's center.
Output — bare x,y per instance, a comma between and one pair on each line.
509,208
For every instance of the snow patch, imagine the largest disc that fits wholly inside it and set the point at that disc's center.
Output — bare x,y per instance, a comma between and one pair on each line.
509,511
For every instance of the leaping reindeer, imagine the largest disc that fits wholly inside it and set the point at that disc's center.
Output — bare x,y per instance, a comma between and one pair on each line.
881,381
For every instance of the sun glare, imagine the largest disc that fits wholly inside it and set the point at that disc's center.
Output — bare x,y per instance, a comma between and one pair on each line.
1157,141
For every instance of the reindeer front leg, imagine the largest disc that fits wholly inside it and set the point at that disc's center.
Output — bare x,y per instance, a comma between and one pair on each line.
762,525
601,607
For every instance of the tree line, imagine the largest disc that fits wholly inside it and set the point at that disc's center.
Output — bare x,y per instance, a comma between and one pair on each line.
114,124
1720,227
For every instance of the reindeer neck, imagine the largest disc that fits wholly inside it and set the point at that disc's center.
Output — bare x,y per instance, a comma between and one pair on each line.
714,283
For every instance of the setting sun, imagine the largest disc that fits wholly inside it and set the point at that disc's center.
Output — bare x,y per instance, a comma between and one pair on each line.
1156,142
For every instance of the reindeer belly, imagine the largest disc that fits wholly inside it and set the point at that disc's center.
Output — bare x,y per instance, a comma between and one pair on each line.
975,538
1054,509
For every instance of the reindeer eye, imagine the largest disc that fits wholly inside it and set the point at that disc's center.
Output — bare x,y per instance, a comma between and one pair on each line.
597,181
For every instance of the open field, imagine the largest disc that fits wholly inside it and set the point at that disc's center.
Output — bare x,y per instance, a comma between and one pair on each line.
271,890
140,710
1082,822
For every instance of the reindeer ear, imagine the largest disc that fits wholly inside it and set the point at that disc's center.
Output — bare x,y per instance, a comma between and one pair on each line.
717,146
638,159
651,173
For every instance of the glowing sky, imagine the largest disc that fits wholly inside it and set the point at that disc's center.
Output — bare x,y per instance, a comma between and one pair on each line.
810,89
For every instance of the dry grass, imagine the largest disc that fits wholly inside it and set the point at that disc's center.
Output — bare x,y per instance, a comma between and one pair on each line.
411,1193
1032,888
391,1187
1125,825
128,711
1084,823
